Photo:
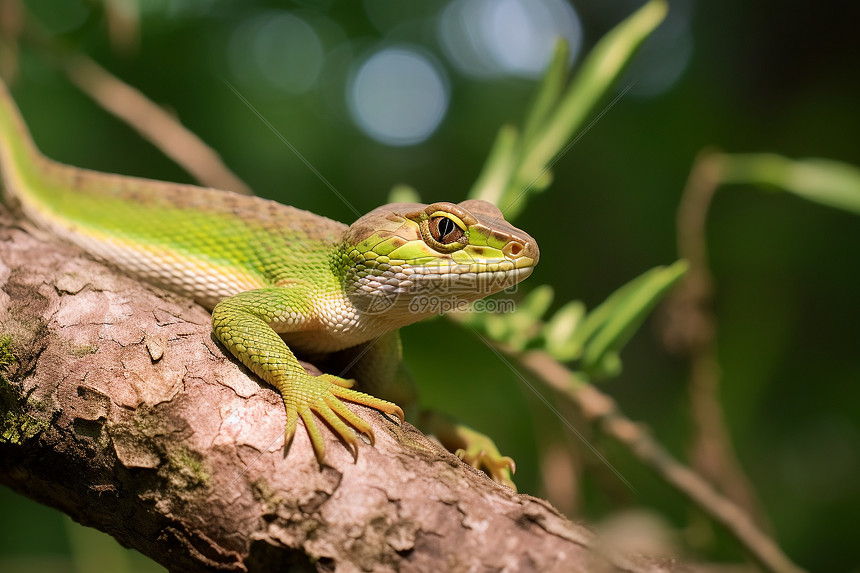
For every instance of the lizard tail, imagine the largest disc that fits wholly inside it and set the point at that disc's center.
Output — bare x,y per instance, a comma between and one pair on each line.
20,159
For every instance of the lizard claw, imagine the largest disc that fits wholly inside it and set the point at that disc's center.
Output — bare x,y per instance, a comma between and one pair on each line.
323,396
497,466
472,447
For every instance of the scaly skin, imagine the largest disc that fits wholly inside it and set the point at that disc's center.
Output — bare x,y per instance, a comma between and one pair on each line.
277,278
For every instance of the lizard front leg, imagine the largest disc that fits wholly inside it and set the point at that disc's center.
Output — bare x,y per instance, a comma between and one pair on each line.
243,323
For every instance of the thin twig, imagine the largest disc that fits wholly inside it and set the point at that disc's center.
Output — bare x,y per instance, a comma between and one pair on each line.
153,123
691,331
131,106
602,410
11,24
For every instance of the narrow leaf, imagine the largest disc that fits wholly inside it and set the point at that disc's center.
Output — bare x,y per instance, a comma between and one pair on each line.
558,331
630,311
549,91
496,174
823,181
599,70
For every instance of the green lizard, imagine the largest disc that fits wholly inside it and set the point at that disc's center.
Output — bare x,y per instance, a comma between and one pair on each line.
280,280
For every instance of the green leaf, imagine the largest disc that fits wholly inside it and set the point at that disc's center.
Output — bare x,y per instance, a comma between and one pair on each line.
520,165
559,330
549,91
524,324
535,304
823,181
622,314
599,71
608,366
497,327
494,177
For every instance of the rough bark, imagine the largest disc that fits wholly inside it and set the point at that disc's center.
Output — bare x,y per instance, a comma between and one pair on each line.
118,408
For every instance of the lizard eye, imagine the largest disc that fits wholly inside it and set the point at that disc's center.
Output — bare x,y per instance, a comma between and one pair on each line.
444,230
441,229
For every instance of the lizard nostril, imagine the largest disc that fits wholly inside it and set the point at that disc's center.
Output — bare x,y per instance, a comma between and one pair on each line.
513,250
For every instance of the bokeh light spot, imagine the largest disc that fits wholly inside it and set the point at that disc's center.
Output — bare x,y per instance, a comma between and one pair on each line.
398,96
279,48
507,37
289,53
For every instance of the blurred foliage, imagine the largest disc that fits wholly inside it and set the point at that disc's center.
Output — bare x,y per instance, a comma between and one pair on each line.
749,77
519,164
594,339
824,181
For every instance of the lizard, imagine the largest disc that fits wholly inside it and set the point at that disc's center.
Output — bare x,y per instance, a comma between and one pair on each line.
280,281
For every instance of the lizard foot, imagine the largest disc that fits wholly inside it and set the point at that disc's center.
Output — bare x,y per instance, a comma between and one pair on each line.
486,457
324,395
474,448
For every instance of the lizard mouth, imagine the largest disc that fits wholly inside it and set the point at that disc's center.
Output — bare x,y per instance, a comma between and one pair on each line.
473,280
430,290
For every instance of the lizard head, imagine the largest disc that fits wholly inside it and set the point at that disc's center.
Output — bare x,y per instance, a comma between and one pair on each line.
452,252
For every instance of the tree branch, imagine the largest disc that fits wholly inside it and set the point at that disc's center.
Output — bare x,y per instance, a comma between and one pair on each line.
118,408
604,412
690,328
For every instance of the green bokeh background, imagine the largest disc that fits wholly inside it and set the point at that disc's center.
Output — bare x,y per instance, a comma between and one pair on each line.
763,76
